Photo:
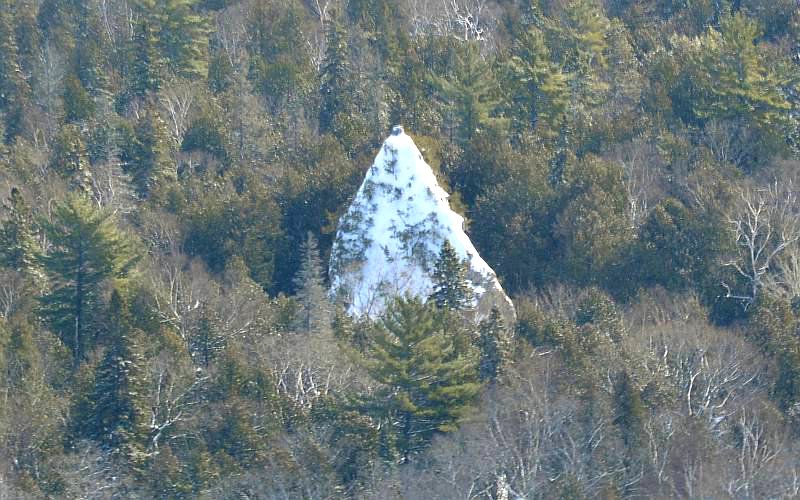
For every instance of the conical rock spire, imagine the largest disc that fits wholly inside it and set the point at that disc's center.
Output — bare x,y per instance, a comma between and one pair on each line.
388,241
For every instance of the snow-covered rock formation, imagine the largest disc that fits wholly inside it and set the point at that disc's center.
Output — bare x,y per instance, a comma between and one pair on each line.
388,241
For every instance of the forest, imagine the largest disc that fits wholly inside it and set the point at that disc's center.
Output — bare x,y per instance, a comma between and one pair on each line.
172,173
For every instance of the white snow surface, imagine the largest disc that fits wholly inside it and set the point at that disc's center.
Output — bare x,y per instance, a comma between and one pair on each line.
388,241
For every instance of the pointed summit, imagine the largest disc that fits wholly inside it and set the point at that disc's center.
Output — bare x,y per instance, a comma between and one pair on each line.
389,240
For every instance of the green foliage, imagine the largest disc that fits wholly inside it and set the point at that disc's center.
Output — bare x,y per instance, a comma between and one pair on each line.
86,250
148,158
426,387
14,89
630,411
179,32
314,314
470,91
78,104
206,133
118,408
541,92
493,346
595,149
450,287
19,248
70,159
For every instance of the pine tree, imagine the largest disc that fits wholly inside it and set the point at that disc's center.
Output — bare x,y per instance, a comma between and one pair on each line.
426,389
734,77
118,419
630,411
471,93
86,250
336,80
207,340
90,50
540,86
183,37
70,158
492,345
14,89
315,313
150,164
20,361
146,70
450,288
78,104
19,249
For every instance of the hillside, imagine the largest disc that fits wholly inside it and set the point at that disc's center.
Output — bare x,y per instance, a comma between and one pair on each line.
224,273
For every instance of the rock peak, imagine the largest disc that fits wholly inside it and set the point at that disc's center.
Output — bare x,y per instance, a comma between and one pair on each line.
388,241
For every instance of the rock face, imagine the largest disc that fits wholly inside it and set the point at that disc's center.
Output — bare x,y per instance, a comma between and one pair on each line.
388,241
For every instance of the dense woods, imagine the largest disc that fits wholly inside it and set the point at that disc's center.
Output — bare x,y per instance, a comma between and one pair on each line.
172,173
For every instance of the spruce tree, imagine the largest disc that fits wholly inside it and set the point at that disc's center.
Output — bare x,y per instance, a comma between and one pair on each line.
206,340
90,50
117,400
630,411
336,79
86,250
14,89
145,74
70,158
315,313
21,358
183,37
471,93
426,388
541,94
150,162
492,345
78,104
450,288
19,248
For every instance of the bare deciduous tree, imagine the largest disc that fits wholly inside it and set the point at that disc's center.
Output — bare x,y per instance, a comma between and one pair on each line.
765,223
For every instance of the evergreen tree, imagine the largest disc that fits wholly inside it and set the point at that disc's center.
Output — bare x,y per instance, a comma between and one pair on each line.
90,49
20,359
78,104
730,76
315,313
207,340
471,92
183,37
86,249
70,158
19,248
336,80
145,74
148,160
118,417
492,345
14,89
426,388
450,288
540,86
630,411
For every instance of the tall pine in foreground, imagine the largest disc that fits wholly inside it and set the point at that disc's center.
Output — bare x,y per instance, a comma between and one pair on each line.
450,288
86,250
426,385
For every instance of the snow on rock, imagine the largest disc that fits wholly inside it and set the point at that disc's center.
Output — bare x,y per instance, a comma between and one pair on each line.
388,241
